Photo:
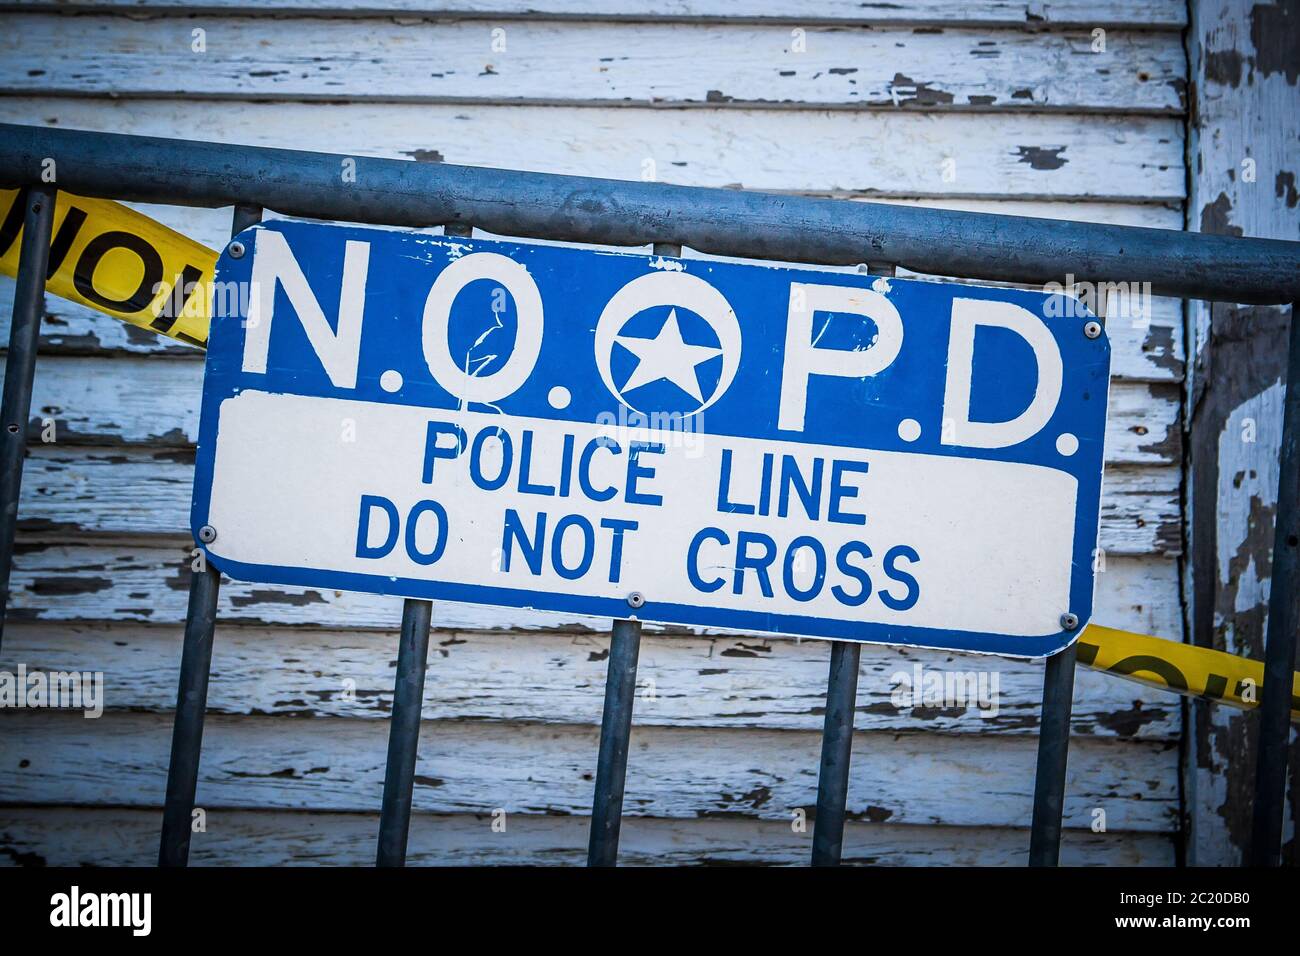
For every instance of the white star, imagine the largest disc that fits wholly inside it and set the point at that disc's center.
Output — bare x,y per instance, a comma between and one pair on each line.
666,356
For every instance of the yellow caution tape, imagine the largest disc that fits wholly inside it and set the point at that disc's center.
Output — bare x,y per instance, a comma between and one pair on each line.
118,261
1183,668
121,262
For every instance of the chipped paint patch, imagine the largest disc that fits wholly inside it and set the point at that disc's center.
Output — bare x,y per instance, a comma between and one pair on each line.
425,155
1247,488
1216,217
905,89
1042,157
1275,34
1283,187
1224,67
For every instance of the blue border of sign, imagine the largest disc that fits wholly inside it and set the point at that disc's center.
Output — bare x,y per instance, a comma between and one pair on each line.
670,614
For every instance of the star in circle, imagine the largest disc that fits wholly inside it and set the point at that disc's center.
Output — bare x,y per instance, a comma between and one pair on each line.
667,356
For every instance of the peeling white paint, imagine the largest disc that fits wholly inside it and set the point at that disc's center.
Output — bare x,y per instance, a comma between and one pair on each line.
1248,470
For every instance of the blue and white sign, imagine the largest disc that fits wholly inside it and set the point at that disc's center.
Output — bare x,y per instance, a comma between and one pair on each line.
794,451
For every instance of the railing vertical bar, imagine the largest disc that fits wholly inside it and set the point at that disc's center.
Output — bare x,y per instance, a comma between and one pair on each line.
616,720
1053,753
837,751
245,215
191,706
837,729
192,689
615,738
20,368
1054,744
408,702
1283,622
404,733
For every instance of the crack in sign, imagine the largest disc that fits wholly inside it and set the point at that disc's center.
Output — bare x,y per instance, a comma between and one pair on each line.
486,360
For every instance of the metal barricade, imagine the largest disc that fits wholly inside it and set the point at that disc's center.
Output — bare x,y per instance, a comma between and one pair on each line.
722,222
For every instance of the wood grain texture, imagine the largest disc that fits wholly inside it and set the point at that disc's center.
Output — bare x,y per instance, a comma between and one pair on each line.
119,836
819,151
613,64
556,677
145,401
477,767
1019,14
148,582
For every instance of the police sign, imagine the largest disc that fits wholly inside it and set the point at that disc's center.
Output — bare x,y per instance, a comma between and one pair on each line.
691,442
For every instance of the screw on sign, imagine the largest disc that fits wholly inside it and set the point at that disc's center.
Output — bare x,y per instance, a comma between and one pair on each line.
804,452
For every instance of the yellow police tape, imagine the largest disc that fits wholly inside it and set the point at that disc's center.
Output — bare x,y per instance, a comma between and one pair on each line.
114,259
125,264
1183,668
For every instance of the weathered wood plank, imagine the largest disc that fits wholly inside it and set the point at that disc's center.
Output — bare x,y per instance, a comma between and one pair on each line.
846,153
478,767
1023,14
684,680
149,583
69,491
545,62
148,401
119,836
1143,424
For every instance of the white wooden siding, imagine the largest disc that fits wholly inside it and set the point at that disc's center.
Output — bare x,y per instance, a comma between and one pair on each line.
479,766
559,676
115,836
867,153
1018,14
627,64
697,92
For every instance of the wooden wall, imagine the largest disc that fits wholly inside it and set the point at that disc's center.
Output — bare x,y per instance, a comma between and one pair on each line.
1246,140
991,105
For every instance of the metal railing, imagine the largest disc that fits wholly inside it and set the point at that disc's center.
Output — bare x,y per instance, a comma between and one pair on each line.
722,222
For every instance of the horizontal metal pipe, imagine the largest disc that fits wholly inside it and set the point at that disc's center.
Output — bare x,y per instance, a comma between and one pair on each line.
613,212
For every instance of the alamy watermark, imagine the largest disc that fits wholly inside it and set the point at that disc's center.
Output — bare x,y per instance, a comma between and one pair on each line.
946,690
67,690
1114,300
672,429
